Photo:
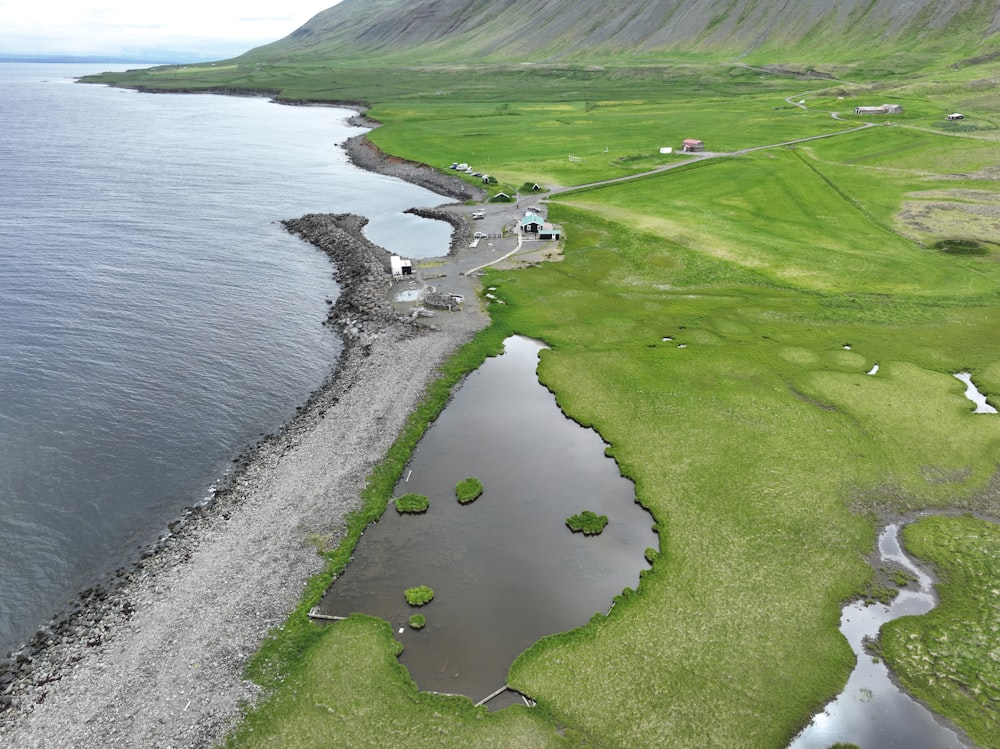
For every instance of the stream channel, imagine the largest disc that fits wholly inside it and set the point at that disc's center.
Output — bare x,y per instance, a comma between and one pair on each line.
872,712
505,569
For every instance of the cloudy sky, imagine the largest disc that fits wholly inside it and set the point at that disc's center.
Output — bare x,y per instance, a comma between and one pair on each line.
201,29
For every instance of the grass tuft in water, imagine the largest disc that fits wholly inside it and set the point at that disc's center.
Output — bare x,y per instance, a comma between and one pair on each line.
419,596
587,522
411,503
468,490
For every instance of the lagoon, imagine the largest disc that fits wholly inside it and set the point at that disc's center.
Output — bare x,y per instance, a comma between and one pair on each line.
505,569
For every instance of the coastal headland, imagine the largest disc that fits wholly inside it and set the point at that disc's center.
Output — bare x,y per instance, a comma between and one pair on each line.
155,657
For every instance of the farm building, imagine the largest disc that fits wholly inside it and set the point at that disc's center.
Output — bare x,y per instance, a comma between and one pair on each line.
400,267
884,109
532,223
692,144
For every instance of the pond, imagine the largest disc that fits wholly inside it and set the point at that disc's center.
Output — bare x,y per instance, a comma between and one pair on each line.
505,569
872,712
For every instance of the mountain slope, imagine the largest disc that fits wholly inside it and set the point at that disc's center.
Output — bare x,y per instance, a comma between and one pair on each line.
396,31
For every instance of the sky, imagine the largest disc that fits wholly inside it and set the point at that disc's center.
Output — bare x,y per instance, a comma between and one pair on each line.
198,29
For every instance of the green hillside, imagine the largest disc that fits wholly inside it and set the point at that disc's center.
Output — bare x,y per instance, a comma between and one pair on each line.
426,31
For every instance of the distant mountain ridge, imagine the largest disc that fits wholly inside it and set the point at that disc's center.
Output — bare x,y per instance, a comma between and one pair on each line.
442,31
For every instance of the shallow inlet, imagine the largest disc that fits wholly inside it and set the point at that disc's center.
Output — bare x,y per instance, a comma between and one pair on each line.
872,711
505,569
973,394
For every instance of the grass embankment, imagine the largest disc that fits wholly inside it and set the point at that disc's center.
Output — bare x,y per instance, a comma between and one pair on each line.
715,325
950,658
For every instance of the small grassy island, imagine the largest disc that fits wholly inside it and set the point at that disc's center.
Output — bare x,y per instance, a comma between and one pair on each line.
587,522
468,490
411,503
419,596
418,621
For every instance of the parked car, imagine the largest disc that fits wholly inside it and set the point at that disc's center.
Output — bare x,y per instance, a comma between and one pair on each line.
479,214
480,235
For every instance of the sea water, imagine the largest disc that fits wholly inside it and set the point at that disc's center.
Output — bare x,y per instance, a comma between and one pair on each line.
155,319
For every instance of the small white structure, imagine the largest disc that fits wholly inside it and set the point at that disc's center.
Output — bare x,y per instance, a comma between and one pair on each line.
956,116
668,149
400,267
884,109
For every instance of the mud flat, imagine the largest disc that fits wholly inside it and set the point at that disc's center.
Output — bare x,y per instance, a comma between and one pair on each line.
156,657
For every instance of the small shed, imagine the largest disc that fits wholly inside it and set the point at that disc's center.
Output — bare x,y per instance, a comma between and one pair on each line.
956,116
692,144
548,231
400,267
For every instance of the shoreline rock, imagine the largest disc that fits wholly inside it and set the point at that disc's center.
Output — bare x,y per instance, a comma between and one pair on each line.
366,155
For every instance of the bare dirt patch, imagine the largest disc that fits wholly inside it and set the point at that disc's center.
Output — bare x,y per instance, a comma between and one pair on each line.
933,215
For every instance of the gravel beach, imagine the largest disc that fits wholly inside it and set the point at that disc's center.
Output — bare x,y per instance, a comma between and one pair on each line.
155,658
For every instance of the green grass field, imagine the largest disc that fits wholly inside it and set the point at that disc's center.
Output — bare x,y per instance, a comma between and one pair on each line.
716,324
950,657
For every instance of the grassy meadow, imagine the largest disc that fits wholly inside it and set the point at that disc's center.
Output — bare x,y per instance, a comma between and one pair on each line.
950,657
717,325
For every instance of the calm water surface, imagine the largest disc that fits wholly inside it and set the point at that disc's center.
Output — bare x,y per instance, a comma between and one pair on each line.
154,317
872,711
505,569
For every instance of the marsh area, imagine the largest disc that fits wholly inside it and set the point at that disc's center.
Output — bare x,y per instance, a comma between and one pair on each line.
873,711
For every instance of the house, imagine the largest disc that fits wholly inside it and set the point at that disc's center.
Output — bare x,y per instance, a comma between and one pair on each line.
956,116
692,144
532,223
400,267
502,197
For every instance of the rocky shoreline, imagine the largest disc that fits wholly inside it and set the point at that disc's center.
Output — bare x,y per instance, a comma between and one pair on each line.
366,155
155,656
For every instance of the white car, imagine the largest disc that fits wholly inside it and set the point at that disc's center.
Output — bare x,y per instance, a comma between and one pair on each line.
480,235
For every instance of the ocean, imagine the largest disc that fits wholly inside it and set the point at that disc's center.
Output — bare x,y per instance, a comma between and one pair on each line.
155,319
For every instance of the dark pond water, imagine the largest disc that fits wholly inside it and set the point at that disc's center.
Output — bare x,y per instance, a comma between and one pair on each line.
872,712
505,569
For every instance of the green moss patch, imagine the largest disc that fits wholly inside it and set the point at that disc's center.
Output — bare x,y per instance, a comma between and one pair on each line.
961,247
468,490
411,503
419,596
587,522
